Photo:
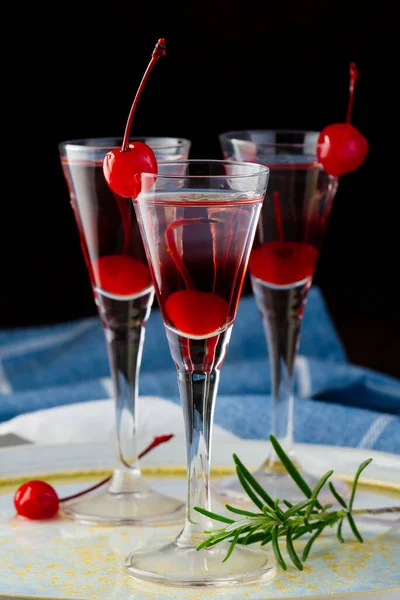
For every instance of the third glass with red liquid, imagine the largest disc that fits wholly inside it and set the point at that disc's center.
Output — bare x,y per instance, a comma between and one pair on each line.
281,266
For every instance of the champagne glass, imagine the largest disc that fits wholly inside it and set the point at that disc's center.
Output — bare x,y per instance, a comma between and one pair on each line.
292,225
198,228
124,294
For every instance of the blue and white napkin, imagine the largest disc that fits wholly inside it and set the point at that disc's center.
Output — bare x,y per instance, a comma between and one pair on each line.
336,402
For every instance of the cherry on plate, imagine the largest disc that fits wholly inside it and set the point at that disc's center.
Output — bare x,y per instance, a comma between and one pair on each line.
36,500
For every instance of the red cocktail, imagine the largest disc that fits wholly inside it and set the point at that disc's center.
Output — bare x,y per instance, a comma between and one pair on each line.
123,291
198,228
282,265
305,170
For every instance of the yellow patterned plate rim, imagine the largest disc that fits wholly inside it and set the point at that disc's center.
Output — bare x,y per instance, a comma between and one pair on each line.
40,461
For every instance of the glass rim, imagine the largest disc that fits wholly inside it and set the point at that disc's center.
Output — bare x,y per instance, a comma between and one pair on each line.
78,144
257,169
232,135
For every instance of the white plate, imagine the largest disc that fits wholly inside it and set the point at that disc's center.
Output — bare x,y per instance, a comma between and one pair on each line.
61,559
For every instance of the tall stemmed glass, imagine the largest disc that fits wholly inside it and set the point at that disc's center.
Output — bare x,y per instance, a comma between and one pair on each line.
123,292
282,264
198,228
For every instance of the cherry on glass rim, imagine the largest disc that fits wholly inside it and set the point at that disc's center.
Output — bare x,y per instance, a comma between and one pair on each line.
122,167
341,148
38,500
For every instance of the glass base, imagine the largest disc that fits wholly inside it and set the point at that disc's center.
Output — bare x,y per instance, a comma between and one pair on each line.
277,484
179,565
121,504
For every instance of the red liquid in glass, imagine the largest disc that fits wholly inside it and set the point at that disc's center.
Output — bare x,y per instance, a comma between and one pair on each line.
108,232
198,313
121,274
201,269
283,263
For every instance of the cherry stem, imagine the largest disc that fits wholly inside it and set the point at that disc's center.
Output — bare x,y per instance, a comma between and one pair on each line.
353,78
173,251
160,439
83,242
278,215
158,51
123,208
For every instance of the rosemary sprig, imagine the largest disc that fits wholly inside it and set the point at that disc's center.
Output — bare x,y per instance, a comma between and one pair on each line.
274,520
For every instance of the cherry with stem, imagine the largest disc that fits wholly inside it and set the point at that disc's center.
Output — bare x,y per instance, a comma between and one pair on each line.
192,311
122,168
38,500
282,262
341,148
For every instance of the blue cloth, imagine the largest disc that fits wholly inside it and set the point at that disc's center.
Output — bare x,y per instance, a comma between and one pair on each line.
336,402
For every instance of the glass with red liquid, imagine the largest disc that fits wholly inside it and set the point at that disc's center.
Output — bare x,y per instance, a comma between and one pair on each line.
281,266
124,294
198,229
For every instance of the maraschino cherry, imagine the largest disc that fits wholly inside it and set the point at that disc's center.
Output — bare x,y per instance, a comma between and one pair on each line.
282,262
341,147
38,500
121,274
196,313
192,311
122,167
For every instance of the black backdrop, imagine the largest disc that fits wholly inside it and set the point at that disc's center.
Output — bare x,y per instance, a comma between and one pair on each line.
229,65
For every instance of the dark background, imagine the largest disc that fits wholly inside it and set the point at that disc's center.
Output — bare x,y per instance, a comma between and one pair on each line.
229,65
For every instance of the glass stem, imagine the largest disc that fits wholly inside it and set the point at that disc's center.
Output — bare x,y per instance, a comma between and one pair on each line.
124,354
198,363
282,384
282,312
124,329
198,392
